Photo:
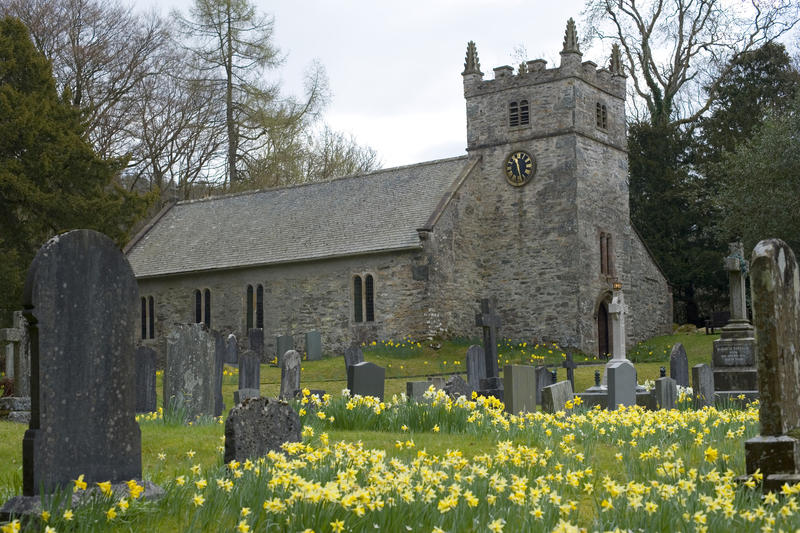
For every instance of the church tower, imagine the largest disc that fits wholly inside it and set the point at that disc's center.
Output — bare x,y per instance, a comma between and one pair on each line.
554,192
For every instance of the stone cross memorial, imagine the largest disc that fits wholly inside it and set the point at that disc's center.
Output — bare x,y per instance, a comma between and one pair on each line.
80,301
679,365
290,374
476,366
616,311
489,320
192,379
570,365
775,287
145,379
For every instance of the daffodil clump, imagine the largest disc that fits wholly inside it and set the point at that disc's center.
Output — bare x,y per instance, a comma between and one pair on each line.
395,349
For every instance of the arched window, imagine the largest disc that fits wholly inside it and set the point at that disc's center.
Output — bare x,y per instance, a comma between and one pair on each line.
144,318
358,313
260,307
513,114
198,307
606,255
369,298
249,307
207,309
151,312
524,114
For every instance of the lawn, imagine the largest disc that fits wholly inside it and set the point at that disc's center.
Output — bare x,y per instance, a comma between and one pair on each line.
445,465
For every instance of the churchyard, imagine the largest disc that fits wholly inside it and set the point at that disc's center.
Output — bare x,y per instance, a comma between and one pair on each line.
579,443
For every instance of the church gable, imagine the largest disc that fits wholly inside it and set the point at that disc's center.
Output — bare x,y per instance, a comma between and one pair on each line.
376,212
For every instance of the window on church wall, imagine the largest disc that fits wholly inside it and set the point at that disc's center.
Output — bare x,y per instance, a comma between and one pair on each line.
260,306
609,255
207,309
151,311
369,298
358,315
601,116
144,318
249,308
524,113
198,307
513,114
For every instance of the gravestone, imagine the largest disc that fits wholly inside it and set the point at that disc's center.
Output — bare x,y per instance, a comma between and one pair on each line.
556,396
145,380
314,345
219,359
80,299
283,343
352,356
519,388
193,372
702,386
366,379
733,359
255,340
231,350
455,386
621,384
543,378
570,365
489,321
616,310
249,377
258,426
679,365
415,390
597,394
665,394
775,288
476,366
17,343
290,374
437,382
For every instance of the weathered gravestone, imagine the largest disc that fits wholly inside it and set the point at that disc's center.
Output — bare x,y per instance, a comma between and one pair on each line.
543,378
258,426
665,394
17,343
733,359
283,343
366,379
249,377
556,396
621,384
415,390
702,386
775,289
679,365
489,321
255,340
80,299
519,388
219,357
231,350
352,356
290,374
145,379
314,345
455,386
476,366
193,375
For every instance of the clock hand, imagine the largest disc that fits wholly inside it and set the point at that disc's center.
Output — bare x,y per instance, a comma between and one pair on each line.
519,170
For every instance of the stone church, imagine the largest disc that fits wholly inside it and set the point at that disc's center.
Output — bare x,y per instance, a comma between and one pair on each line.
536,214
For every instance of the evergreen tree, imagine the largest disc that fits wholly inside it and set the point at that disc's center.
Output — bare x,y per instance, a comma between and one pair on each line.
50,178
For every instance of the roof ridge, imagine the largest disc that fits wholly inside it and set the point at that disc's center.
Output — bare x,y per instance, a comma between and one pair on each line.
313,183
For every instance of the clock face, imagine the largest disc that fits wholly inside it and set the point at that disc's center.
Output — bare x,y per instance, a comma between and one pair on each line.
520,167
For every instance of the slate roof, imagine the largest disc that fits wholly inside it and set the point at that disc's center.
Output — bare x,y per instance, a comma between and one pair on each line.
369,213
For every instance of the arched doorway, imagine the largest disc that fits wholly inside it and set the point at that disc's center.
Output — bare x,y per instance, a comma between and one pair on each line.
603,331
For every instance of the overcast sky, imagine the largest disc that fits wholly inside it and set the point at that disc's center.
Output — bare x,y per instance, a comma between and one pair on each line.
394,68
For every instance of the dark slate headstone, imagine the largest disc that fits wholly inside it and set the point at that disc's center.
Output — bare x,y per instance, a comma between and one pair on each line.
80,301
621,384
283,343
665,395
258,426
489,320
455,386
219,367
231,350
314,345
520,388
249,370
255,340
556,396
290,374
543,379
193,375
352,356
703,386
366,379
679,365
476,366
145,379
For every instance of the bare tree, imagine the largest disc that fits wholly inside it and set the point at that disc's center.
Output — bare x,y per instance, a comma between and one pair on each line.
676,50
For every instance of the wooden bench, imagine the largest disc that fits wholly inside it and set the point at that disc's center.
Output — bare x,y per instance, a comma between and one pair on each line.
718,319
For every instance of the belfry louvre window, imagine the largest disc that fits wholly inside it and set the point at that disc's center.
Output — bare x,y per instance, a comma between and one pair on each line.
202,307
518,113
601,116
255,307
364,298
